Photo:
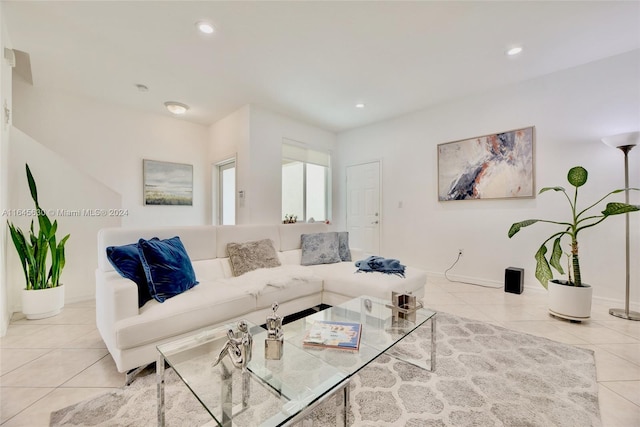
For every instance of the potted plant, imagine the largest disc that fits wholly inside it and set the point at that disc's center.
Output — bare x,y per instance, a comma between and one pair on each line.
42,259
570,299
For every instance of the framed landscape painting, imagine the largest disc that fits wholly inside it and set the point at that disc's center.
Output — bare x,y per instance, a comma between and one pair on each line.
167,183
495,166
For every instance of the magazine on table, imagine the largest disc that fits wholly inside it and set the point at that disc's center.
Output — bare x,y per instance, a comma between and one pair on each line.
333,334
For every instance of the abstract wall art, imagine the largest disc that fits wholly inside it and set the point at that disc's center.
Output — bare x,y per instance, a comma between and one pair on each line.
167,183
495,166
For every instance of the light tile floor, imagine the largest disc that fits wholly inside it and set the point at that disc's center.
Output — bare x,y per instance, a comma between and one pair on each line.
48,364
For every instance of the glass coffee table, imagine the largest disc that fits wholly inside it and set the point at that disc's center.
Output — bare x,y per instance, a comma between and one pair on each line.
281,392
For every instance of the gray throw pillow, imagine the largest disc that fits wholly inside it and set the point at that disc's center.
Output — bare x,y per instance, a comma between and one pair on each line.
343,246
245,257
319,248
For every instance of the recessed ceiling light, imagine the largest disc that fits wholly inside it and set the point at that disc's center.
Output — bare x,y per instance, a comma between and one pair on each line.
205,27
360,105
514,50
176,108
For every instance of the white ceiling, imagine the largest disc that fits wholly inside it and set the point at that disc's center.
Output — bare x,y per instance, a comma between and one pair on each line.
312,61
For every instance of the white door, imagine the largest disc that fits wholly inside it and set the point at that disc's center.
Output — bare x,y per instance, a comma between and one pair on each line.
363,207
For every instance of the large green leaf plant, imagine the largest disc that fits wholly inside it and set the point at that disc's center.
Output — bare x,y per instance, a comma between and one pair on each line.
580,220
39,247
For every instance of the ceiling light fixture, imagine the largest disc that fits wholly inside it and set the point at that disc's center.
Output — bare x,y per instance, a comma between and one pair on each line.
205,27
514,50
360,105
176,108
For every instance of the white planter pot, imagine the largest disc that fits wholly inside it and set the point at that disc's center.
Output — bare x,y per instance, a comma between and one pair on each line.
42,303
570,302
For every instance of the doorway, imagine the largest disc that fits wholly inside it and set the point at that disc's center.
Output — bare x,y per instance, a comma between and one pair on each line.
363,207
227,192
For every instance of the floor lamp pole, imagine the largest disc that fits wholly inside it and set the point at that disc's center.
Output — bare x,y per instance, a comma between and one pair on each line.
626,314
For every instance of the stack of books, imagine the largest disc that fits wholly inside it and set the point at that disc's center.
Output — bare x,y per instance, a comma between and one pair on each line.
333,334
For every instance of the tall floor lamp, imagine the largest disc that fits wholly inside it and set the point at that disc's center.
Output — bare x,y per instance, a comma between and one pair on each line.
625,142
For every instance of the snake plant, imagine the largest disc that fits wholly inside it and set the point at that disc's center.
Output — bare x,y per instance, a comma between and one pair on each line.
39,248
579,221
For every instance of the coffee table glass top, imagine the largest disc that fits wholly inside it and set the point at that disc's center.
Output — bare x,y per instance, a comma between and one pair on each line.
269,393
379,331
275,392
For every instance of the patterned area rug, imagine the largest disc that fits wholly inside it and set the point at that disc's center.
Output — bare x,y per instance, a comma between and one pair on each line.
485,376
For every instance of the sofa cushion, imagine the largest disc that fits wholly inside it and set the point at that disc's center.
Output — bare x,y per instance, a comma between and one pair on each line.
126,261
291,257
320,248
245,257
207,304
343,246
167,267
277,284
297,288
342,279
209,269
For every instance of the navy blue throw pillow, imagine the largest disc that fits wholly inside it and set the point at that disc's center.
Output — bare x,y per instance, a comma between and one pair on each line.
167,267
126,261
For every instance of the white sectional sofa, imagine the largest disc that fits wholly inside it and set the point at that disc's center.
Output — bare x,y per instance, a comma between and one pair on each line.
132,333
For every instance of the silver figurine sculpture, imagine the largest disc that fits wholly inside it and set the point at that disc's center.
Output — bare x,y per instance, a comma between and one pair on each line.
404,306
238,347
274,343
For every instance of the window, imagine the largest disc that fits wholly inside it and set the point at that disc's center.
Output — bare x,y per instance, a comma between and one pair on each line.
305,183
227,193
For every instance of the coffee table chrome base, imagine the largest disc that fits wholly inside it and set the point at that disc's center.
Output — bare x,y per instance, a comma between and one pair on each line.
226,393
624,314
228,409
160,389
342,402
297,407
433,344
344,408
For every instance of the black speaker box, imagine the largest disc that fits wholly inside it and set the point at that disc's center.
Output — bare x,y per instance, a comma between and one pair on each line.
514,280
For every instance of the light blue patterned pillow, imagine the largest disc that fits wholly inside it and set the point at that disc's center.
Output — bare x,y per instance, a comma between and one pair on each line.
320,248
343,246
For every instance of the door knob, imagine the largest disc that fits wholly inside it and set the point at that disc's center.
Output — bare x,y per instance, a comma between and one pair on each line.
374,222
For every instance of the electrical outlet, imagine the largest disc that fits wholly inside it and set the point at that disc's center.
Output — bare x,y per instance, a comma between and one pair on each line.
460,252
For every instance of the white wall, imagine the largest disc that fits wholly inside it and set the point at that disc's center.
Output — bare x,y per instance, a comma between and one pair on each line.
109,142
79,203
229,138
255,135
5,98
571,111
